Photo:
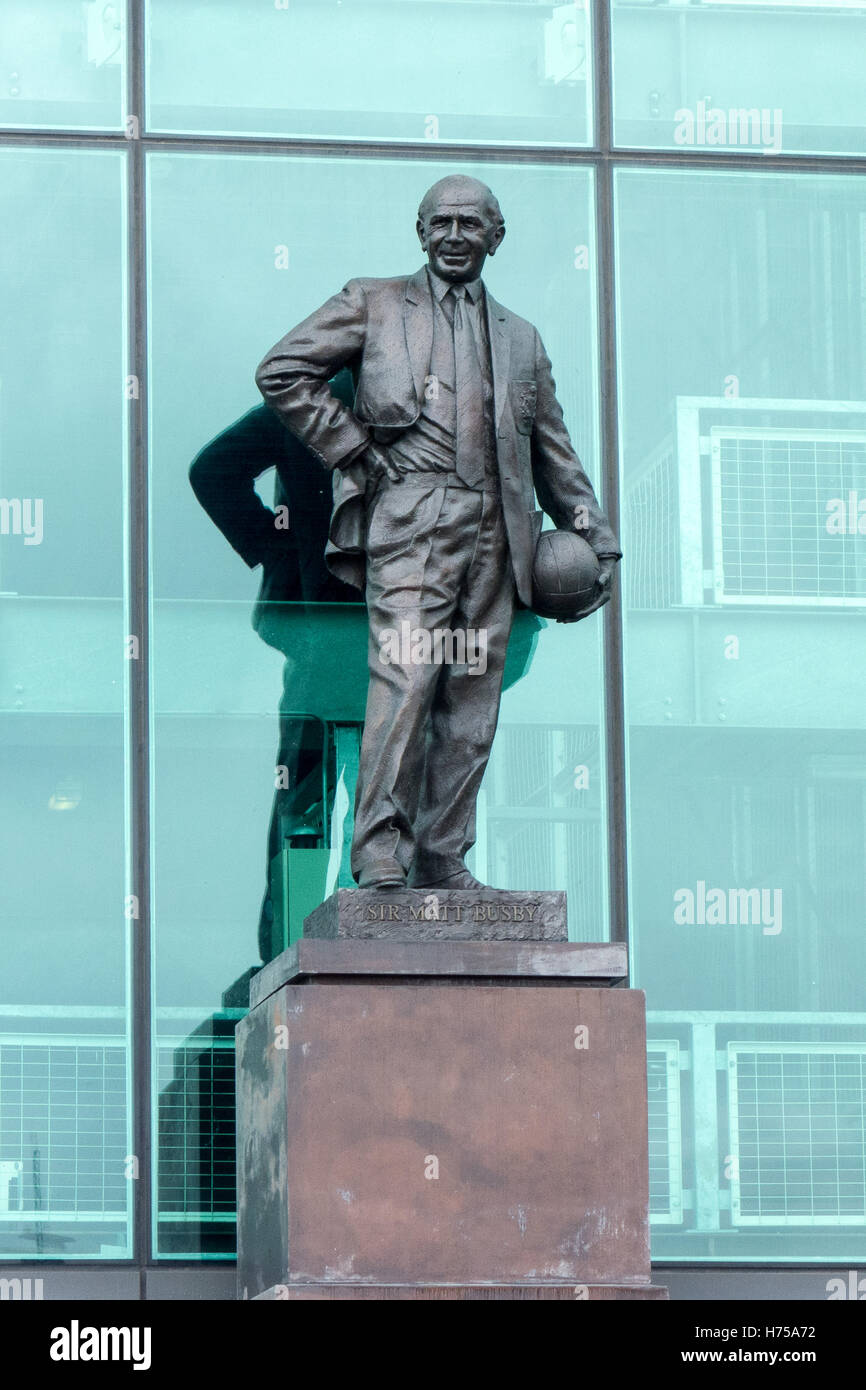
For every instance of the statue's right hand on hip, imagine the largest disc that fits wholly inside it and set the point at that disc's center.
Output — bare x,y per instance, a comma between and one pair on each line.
379,465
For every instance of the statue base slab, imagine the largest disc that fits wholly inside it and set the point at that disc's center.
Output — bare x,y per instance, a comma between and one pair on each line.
422,914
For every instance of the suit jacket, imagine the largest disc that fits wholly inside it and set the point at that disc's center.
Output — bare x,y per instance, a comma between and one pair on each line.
382,329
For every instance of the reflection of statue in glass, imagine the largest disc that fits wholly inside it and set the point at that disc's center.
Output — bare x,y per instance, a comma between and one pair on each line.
292,557
454,428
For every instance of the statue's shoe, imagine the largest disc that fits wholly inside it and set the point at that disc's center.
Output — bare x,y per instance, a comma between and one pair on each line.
462,879
382,874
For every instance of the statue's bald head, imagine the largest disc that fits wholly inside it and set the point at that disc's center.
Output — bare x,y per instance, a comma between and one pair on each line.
460,188
459,225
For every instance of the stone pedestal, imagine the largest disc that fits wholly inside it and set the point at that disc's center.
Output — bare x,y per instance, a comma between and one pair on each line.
442,1118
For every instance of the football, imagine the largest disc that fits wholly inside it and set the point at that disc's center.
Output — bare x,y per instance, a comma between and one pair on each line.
564,575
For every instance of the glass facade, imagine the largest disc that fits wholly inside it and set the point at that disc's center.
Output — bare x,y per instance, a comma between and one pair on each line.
177,191
781,77
63,64
743,444
489,72
66,1157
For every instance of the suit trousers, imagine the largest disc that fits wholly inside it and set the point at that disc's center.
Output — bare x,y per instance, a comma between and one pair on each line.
439,588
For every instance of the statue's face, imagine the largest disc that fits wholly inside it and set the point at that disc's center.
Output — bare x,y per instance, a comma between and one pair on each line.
458,234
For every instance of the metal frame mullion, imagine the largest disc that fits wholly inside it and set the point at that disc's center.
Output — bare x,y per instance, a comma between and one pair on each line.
613,695
138,750
276,147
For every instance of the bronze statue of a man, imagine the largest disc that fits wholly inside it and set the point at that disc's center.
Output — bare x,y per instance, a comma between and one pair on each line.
455,429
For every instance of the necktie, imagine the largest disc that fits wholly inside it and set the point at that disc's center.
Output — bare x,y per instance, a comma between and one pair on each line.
469,395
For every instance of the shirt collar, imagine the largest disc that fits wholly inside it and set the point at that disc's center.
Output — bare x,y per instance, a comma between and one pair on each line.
440,287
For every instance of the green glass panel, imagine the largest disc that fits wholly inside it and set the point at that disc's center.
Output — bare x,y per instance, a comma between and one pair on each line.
258,708
488,71
62,64
66,1169
743,434
728,76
